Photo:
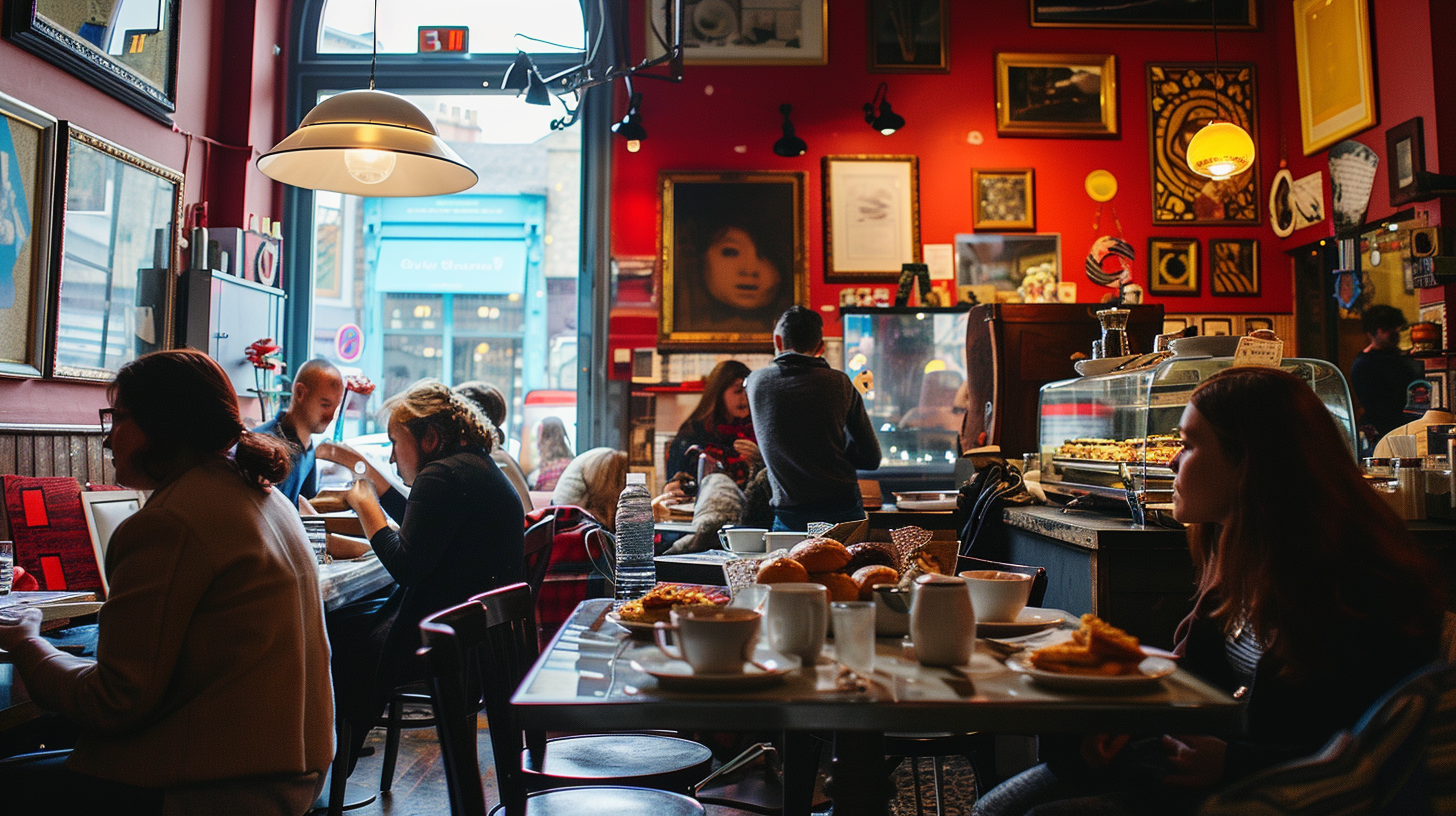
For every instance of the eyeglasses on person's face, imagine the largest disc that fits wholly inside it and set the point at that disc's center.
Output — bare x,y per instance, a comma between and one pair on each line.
109,418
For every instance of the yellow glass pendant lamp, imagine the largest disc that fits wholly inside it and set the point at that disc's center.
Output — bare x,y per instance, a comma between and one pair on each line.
368,143
1220,150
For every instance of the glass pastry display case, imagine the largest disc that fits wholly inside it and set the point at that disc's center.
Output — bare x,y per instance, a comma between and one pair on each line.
1113,435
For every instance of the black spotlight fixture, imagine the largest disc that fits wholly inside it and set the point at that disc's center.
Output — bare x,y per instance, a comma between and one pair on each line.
630,128
878,114
518,75
789,145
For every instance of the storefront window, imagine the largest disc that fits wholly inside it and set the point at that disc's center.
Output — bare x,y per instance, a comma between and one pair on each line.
491,26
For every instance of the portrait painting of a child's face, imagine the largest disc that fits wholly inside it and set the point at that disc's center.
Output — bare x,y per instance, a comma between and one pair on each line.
732,257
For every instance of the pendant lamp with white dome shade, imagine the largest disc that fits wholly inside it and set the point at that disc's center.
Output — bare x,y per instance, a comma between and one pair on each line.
368,143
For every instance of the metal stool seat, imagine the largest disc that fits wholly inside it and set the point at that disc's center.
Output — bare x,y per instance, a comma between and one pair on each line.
610,801
645,760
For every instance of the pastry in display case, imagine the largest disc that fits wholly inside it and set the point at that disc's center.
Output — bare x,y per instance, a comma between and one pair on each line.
1114,435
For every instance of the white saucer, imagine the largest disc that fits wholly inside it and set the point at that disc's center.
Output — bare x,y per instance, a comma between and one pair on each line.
1100,365
637,628
1031,619
1149,677
676,675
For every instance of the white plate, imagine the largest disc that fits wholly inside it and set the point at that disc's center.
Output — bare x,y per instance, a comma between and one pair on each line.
933,500
1030,620
637,628
1091,368
1151,672
676,675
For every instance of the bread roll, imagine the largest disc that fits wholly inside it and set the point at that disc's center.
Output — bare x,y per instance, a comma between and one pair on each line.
782,571
820,554
866,577
841,587
866,553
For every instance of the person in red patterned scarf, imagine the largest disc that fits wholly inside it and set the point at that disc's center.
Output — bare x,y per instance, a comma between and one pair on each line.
719,427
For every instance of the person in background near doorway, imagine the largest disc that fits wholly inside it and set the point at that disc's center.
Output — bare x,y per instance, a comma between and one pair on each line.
1381,374
811,425
318,391
492,403
719,426
210,692
1312,602
553,454
461,533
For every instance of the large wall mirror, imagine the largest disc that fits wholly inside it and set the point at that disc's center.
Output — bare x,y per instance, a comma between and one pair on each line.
127,48
120,215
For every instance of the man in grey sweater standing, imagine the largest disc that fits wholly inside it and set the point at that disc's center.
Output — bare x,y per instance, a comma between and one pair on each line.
811,427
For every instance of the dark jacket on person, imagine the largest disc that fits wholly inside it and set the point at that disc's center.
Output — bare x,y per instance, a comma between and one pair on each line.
813,431
1379,379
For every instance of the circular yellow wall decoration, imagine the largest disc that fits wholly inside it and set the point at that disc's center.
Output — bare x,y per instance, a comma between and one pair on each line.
1101,185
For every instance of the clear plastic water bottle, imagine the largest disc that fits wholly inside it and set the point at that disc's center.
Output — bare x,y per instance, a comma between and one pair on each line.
636,574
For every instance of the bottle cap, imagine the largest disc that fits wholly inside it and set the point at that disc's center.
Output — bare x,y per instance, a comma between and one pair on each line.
359,468
636,478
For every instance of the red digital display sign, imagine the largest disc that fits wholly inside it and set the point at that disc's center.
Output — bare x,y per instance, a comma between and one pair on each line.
444,39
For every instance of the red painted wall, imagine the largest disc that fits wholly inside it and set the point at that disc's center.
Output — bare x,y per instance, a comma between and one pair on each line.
699,124
227,83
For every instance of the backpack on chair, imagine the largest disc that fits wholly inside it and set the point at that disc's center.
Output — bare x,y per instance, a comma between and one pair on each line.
994,487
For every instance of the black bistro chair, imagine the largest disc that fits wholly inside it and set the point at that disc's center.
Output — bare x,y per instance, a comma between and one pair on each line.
478,653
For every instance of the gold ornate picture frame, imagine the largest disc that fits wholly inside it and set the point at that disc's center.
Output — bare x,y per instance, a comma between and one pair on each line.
27,211
1173,266
1333,63
734,32
871,216
1004,199
1056,95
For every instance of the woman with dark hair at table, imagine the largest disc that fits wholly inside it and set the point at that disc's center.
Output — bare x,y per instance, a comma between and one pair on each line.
461,533
718,426
1313,600
210,692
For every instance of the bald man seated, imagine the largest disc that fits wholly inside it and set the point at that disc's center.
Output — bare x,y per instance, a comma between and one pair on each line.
318,390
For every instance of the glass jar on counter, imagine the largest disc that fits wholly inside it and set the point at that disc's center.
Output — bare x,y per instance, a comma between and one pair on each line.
1438,481
1410,487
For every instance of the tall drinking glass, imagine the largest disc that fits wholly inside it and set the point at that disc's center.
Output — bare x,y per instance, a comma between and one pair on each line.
7,566
854,635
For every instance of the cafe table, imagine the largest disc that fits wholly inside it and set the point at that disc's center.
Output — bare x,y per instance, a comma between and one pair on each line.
586,679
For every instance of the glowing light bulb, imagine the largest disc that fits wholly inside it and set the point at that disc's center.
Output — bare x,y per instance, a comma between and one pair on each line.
634,145
369,166
1220,150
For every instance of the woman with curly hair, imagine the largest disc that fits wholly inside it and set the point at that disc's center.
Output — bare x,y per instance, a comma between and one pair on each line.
210,691
461,533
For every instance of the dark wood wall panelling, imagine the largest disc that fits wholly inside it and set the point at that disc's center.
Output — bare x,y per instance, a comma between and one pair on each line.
54,452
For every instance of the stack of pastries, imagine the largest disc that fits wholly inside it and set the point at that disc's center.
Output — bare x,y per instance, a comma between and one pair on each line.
657,605
1096,648
1160,449
849,573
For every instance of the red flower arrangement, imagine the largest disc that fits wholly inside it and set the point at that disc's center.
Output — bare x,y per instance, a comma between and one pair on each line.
263,354
359,384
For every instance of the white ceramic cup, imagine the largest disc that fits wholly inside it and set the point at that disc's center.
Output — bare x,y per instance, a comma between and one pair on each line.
753,596
782,540
713,640
742,539
998,597
797,619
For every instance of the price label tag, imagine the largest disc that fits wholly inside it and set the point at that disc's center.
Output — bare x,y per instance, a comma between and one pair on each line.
1255,352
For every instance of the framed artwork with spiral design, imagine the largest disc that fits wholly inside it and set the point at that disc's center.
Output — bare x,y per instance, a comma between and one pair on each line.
1182,98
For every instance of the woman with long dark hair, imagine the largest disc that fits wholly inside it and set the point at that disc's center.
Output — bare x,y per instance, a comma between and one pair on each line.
719,426
1312,601
461,533
553,454
210,692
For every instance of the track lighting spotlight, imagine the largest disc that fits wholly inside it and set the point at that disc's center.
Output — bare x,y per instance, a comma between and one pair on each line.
630,128
789,145
518,75
878,114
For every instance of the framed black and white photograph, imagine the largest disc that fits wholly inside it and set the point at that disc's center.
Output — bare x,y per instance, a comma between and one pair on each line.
1233,267
1173,266
909,36
1405,157
1056,95
1216,326
1439,390
744,32
1232,14
733,258
871,216
118,254
1004,199
27,190
127,49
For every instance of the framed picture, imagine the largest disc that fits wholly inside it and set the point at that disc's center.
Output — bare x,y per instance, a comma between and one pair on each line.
1173,266
1004,199
1253,324
27,193
1003,261
117,258
1435,313
1233,267
744,32
909,36
1216,326
1069,95
871,216
1336,82
1232,14
733,258
1405,156
128,50
1173,324
1181,100
1439,400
